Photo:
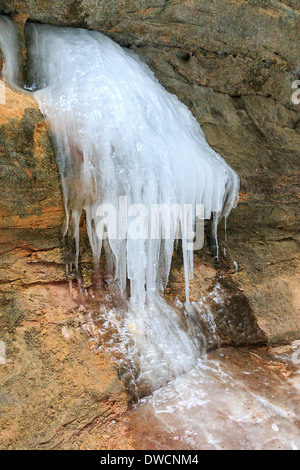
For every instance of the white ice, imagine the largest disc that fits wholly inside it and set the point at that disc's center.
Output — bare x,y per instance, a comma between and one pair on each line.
117,132
11,71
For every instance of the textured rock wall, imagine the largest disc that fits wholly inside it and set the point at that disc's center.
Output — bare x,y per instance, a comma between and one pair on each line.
56,392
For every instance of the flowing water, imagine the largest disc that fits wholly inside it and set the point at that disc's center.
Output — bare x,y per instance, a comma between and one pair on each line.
235,400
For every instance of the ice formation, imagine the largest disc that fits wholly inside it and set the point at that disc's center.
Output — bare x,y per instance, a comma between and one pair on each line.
11,72
118,133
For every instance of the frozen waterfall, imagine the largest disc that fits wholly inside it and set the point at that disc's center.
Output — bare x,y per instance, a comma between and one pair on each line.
119,135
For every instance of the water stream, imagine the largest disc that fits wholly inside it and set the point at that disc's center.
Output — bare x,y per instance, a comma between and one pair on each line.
236,399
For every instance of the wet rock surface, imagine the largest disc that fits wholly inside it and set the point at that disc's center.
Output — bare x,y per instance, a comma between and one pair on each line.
237,399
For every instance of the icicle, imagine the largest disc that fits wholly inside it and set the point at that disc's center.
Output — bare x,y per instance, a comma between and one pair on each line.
11,72
117,133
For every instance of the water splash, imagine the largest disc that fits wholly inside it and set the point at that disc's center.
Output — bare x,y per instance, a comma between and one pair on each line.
117,132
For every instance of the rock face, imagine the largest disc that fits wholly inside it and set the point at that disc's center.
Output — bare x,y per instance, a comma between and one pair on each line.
55,389
233,63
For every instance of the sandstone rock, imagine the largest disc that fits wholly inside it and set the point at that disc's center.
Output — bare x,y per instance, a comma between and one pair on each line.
55,389
56,393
